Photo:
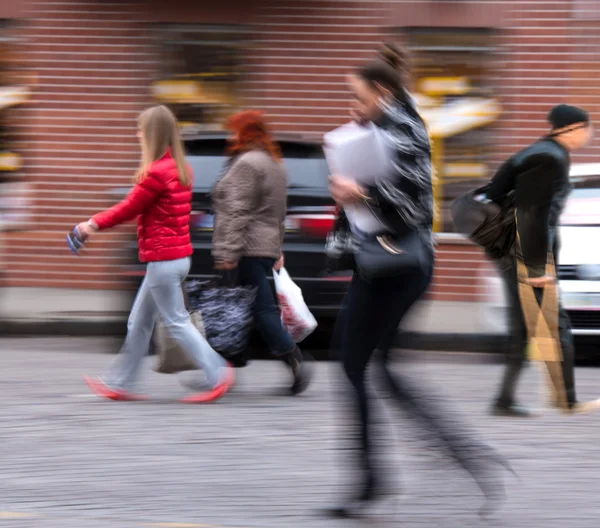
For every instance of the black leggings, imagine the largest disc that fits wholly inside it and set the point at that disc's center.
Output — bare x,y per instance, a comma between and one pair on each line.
369,321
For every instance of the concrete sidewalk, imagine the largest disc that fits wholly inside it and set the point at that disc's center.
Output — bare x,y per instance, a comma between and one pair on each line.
435,325
259,459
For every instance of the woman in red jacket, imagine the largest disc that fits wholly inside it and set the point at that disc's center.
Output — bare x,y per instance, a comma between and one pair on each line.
161,200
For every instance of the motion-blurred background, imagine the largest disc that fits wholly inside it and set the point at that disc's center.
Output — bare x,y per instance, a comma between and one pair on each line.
75,74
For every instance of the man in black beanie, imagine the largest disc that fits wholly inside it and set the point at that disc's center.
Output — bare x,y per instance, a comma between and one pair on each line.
539,177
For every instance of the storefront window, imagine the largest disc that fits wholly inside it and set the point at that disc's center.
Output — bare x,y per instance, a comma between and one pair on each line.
201,71
15,204
11,93
453,81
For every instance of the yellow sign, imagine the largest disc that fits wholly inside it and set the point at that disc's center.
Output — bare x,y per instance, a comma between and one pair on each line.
465,170
193,92
9,161
436,86
460,116
13,95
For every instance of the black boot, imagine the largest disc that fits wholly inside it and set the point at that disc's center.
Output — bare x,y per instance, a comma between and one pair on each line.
491,482
511,410
301,370
371,492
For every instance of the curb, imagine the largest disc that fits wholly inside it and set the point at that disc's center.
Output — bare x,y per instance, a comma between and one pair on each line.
448,342
453,342
62,328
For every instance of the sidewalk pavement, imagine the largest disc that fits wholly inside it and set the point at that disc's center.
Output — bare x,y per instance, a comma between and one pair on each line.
257,459
434,325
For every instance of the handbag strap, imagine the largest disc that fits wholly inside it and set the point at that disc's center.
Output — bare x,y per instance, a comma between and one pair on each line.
366,199
541,322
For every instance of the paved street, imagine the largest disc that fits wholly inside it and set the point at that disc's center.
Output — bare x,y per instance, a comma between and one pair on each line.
259,459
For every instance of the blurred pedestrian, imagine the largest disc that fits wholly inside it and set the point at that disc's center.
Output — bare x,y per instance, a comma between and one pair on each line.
250,203
539,178
161,201
397,212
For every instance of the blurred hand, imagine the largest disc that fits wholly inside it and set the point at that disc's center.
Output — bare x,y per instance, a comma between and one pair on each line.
540,282
85,230
345,192
225,265
279,264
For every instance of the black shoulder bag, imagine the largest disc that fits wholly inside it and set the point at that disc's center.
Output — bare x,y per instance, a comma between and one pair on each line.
391,254
489,224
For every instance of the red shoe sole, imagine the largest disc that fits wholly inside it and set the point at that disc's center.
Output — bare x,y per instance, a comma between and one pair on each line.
101,390
214,394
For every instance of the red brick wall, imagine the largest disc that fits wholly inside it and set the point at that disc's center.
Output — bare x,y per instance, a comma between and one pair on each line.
303,51
94,60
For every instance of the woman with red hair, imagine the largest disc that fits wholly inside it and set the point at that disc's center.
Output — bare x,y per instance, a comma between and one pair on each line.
250,202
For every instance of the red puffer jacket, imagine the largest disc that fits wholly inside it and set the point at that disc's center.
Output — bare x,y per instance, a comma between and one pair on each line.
163,208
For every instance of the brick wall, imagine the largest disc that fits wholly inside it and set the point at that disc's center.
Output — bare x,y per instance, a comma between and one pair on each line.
94,61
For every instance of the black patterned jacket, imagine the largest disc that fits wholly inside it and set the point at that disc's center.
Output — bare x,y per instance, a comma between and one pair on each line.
403,201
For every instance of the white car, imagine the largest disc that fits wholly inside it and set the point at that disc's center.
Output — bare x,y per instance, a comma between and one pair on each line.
579,257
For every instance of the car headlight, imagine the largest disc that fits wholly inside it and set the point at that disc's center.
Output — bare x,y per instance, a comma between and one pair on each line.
589,271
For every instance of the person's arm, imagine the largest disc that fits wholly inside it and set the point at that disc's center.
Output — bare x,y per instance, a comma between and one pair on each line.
401,192
503,181
240,188
534,190
139,199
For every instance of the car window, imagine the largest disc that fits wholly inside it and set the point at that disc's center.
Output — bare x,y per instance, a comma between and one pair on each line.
306,172
305,164
206,169
582,208
585,193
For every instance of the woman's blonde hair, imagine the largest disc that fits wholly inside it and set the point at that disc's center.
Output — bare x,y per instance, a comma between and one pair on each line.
160,132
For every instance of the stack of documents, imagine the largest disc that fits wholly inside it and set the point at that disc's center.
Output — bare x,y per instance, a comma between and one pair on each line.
361,153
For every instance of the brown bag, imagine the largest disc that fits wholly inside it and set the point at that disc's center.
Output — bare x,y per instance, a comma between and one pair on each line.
171,359
541,321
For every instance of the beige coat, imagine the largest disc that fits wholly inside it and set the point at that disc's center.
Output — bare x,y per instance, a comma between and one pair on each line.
250,204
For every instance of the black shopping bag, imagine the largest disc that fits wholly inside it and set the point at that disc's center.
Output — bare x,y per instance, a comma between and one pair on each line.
226,313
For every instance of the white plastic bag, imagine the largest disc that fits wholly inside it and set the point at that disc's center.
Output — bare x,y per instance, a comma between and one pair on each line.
295,315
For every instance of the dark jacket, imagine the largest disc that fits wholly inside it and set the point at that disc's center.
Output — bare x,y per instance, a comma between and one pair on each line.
404,201
163,206
539,177
250,204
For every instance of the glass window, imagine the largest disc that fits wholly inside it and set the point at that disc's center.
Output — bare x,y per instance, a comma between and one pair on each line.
586,9
305,164
201,73
453,80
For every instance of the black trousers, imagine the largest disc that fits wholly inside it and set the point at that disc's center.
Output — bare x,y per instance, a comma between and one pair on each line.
253,271
368,322
515,357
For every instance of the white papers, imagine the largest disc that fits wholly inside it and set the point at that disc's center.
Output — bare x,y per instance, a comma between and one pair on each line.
360,153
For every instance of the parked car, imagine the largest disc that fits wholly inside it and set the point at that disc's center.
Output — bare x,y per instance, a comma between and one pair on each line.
579,258
311,213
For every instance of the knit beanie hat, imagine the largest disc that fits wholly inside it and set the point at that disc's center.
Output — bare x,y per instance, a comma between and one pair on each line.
564,115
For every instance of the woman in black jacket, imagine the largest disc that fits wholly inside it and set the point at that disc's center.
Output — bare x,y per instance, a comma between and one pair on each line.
399,206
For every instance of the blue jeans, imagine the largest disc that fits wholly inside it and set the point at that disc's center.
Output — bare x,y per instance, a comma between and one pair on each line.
253,271
161,294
